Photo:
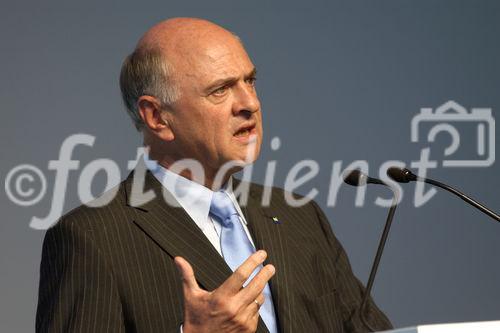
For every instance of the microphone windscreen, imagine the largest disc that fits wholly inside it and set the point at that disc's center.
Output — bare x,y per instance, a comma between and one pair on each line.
355,178
400,175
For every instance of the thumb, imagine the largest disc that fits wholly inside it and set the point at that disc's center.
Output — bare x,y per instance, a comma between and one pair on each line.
188,280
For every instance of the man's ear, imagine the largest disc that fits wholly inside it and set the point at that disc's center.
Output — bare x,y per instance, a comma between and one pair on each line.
151,113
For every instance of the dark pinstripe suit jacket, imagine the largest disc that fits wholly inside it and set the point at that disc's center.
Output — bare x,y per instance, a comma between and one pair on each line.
111,269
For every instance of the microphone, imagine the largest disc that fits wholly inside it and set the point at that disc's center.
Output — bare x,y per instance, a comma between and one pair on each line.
406,176
357,178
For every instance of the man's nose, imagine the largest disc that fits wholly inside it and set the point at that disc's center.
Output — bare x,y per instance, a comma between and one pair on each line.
246,99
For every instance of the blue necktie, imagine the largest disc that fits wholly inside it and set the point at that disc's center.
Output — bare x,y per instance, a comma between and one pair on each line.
236,248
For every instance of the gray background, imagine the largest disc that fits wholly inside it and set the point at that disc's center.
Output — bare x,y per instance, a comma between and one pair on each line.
337,81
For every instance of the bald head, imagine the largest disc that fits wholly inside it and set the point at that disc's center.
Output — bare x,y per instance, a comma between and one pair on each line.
184,41
167,52
181,32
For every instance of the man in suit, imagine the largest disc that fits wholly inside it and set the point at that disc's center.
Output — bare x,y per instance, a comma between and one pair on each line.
173,250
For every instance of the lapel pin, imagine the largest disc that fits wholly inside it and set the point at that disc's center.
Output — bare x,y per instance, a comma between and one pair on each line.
276,220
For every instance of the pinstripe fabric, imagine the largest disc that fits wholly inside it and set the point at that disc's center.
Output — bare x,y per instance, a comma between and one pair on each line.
111,269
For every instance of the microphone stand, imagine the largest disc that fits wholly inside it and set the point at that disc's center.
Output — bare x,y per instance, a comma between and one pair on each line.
462,196
405,176
378,256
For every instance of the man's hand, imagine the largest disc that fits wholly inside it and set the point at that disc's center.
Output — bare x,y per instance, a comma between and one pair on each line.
229,308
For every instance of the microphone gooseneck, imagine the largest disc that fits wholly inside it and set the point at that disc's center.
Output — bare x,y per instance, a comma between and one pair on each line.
405,176
357,178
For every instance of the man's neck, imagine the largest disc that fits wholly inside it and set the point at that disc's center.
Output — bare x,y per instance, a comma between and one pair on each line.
208,178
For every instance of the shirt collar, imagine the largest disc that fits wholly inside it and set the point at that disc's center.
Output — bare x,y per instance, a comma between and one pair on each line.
192,196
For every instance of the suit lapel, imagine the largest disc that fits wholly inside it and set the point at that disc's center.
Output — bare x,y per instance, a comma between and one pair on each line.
174,231
269,235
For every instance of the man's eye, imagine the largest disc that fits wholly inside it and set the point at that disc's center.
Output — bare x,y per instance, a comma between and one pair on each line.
219,91
251,81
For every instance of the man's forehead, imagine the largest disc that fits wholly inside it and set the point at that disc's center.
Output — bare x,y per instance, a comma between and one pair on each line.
198,48
217,59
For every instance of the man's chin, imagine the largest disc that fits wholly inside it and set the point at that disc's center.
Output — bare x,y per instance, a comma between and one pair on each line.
233,165
236,165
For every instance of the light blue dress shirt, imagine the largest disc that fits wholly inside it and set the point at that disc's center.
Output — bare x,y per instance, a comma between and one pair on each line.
195,199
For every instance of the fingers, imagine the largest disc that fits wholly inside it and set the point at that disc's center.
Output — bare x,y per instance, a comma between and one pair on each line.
256,286
253,319
234,283
260,299
188,279
253,312
257,303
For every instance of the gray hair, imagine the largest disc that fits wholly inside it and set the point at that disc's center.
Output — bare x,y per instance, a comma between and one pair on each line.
146,72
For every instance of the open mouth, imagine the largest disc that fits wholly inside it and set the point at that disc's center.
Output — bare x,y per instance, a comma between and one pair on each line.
245,131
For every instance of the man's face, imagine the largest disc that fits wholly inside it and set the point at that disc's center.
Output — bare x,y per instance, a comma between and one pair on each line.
217,118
